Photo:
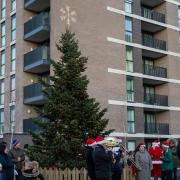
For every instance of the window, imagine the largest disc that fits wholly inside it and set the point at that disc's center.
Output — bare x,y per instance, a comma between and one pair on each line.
2,63
3,35
131,120
129,58
130,90
150,123
131,145
13,5
1,121
128,6
13,58
3,9
13,88
1,92
179,16
128,29
12,118
13,28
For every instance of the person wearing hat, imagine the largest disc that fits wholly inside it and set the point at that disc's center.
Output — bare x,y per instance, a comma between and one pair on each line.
18,156
167,165
103,159
144,162
90,143
156,152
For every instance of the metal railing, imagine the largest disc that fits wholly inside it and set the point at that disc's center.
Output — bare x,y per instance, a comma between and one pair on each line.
156,128
40,20
148,40
155,71
151,14
155,99
41,53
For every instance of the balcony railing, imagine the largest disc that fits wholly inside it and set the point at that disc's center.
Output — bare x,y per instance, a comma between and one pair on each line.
151,14
155,71
33,94
36,61
156,128
38,28
29,125
148,40
154,99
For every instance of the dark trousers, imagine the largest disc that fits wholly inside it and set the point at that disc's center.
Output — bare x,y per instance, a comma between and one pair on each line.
19,176
175,174
116,176
167,175
102,178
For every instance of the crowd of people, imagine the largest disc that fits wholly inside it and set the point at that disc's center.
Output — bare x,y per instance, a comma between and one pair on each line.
14,163
106,161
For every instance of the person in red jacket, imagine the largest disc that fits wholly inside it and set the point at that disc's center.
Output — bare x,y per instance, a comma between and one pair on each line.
156,152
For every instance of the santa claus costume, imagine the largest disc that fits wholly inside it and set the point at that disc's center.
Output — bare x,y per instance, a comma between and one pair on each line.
156,152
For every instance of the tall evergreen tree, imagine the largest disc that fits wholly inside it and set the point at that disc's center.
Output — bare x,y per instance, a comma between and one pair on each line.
72,116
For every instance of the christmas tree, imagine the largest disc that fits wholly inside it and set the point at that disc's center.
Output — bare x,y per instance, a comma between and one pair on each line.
71,116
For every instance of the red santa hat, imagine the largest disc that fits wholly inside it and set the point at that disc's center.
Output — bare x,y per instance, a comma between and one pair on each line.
119,139
100,140
90,142
155,143
165,144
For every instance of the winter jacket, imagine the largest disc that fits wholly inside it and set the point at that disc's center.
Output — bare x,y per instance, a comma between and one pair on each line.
175,159
90,163
167,160
102,162
14,154
118,165
178,150
7,166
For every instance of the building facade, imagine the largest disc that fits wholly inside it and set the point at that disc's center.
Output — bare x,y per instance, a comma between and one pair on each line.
133,48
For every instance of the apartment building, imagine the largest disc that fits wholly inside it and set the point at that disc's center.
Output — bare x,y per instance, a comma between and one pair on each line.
133,48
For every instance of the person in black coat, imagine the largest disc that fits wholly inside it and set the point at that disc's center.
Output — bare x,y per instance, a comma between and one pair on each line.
102,160
178,149
7,165
90,143
118,165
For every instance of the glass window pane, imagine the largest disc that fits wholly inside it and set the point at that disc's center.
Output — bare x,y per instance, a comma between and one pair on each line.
128,24
2,63
128,6
130,85
131,127
131,145
129,53
13,5
130,115
13,58
13,28
129,66
1,121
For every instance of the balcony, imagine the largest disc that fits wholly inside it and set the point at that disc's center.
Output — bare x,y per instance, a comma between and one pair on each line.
154,71
156,128
33,94
152,3
36,61
155,99
38,28
153,15
36,5
30,125
149,41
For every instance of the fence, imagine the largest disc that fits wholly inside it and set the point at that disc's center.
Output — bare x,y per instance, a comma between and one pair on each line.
76,174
